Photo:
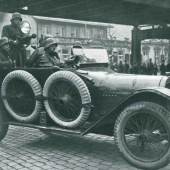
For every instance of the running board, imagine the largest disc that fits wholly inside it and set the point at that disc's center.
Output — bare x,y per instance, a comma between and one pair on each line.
50,128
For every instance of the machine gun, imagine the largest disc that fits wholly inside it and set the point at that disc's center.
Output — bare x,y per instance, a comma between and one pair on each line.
25,40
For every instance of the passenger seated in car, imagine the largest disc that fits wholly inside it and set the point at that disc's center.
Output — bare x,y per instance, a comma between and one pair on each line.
77,55
47,57
5,61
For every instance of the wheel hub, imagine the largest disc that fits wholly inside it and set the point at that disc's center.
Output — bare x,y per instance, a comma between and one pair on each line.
65,99
141,141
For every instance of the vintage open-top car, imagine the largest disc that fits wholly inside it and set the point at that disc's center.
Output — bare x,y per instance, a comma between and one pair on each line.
91,98
132,108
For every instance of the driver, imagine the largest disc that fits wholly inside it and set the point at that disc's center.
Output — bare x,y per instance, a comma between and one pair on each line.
13,32
46,58
77,53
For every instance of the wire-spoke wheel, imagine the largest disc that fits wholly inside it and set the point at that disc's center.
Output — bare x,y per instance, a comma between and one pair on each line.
65,100
142,134
68,99
19,90
19,94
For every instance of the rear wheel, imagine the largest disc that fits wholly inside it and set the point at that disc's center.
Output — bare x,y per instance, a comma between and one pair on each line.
19,91
68,99
142,134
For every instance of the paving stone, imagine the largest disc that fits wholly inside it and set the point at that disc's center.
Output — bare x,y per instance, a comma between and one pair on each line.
35,168
92,168
29,149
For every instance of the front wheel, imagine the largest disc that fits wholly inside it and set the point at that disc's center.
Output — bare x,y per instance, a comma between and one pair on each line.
142,134
3,123
3,130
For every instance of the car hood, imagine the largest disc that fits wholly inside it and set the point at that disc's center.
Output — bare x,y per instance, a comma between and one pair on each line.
119,81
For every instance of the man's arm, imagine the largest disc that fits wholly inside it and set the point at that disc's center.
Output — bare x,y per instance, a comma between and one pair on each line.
5,32
33,58
4,62
9,32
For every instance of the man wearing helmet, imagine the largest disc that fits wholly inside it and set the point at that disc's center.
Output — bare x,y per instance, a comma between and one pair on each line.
13,32
47,58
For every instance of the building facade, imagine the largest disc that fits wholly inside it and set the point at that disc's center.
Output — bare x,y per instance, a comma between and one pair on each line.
157,50
71,28
67,32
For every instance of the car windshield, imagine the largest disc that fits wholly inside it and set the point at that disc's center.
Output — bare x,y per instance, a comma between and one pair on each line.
92,55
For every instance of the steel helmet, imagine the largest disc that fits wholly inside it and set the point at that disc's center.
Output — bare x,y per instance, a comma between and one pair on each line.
50,41
77,43
44,38
16,15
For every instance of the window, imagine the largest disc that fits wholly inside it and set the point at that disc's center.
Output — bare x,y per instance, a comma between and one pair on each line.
127,57
166,51
78,32
72,31
157,51
63,32
91,33
146,50
120,52
58,31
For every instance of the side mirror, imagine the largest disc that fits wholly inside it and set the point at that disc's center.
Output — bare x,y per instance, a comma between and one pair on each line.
25,27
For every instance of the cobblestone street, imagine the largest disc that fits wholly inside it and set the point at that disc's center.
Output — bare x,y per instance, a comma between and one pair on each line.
30,149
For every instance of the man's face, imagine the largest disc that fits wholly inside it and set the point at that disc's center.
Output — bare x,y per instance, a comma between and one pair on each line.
17,21
6,47
52,48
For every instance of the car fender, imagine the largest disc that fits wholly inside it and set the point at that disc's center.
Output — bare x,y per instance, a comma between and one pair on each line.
162,91
156,92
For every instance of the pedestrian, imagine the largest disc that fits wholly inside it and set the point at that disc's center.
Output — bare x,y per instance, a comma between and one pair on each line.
150,67
111,64
168,67
143,68
5,61
120,67
155,72
126,67
162,68
134,68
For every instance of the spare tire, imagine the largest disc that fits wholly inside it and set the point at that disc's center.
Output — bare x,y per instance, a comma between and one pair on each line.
19,91
68,100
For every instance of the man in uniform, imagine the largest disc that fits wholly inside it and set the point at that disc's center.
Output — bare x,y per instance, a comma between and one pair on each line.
5,61
46,58
13,32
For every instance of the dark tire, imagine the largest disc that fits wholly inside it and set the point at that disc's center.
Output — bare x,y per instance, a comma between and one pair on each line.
3,121
3,127
19,90
68,99
142,135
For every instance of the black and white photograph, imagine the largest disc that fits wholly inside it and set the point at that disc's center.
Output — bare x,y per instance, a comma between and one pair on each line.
84,85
